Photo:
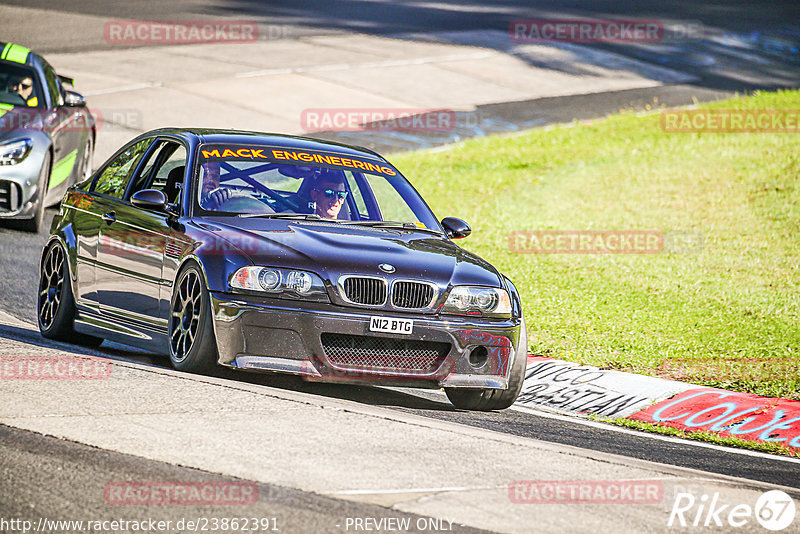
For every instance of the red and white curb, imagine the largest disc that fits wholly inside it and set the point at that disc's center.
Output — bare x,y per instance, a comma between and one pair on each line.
571,388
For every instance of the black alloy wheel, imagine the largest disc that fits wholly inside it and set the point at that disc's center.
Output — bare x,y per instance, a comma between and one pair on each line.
51,287
55,305
192,346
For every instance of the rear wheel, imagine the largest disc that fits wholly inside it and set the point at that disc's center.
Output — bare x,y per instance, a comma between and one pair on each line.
34,224
55,305
495,399
192,346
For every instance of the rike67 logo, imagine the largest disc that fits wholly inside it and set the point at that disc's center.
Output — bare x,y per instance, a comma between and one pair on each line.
774,510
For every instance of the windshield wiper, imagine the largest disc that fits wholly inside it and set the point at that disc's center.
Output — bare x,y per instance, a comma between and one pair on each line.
315,217
393,224
294,216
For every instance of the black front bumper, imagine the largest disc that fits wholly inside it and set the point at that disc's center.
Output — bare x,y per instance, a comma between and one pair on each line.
257,333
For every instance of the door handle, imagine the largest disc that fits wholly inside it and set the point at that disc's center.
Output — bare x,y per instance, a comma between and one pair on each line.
109,217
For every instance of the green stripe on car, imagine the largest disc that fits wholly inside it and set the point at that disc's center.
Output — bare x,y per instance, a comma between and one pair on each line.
15,52
62,168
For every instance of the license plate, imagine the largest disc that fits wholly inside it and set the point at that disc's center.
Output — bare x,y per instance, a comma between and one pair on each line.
391,326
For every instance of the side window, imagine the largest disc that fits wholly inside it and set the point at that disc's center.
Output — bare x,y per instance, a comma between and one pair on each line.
115,176
169,176
53,86
142,179
164,171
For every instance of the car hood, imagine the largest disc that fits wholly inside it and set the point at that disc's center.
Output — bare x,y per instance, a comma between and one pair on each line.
331,249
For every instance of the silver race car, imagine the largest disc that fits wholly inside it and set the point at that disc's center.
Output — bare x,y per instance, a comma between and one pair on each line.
46,136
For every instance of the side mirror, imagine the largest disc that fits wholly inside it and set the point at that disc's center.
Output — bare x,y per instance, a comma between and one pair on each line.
455,228
150,199
74,100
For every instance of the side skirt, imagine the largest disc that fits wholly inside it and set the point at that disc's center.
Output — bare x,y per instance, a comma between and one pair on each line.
137,336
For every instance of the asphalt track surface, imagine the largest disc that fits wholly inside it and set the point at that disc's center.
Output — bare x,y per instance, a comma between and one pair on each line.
30,462
764,56
518,422
73,476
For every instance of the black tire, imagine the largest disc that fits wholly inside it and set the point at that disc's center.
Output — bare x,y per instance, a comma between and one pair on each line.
55,305
88,154
192,345
34,224
495,399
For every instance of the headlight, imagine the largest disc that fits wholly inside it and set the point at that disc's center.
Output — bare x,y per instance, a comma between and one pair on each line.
481,301
282,283
13,153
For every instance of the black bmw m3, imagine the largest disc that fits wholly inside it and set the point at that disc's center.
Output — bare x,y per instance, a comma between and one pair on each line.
274,253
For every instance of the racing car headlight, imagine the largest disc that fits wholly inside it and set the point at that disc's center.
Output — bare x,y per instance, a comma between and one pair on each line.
282,283
481,301
13,153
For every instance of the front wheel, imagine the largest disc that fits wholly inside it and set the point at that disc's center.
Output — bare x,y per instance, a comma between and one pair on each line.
192,346
495,399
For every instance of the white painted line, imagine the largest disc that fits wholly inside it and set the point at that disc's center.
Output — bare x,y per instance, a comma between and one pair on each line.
124,88
412,490
651,435
265,72
368,65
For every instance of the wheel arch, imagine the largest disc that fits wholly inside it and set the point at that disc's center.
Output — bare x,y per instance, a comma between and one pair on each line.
185,261
66,239
218,263
50,150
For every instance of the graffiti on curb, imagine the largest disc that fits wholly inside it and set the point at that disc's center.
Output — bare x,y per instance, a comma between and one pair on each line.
730,414
574,388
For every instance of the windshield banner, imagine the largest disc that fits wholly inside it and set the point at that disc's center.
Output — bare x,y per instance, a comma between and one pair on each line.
295,157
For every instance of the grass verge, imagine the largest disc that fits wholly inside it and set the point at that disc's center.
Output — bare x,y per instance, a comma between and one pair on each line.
726,315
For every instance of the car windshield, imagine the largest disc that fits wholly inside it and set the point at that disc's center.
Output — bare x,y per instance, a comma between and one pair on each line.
18,86
239,180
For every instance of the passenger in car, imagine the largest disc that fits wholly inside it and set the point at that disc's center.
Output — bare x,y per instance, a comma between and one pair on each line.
329,194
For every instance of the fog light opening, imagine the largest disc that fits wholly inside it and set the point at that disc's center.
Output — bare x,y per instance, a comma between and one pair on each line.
478,357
